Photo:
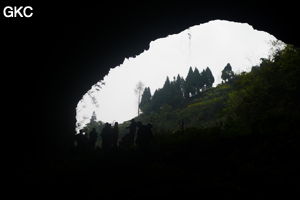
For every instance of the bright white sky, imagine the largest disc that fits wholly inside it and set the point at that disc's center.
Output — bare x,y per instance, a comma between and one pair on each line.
213,45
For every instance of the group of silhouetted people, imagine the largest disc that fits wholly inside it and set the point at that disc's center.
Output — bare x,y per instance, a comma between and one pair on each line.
86,142
110,137
139,135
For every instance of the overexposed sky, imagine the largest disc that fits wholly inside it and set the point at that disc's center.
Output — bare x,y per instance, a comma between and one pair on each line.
213,45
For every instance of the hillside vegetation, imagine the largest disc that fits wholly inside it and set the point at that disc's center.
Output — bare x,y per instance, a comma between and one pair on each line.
263,101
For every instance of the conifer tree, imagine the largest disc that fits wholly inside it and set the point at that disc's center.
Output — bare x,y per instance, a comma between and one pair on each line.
197,81
209,78
166,93
188,88
146,100
227,73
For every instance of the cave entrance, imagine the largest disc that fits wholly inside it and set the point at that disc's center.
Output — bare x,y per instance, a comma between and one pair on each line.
210,45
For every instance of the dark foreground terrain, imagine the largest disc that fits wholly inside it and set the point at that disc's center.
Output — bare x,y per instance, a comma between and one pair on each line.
190,164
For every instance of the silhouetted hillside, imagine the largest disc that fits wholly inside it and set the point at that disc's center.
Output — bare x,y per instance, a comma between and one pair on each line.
262,101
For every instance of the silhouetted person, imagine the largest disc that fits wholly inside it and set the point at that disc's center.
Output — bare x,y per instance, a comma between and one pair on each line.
140,133
77,140
149,131
128,139
82,141
144,136
182,126
115,136
92,139
132,131
106,135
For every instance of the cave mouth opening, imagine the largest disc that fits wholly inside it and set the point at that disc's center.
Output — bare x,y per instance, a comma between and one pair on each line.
213,44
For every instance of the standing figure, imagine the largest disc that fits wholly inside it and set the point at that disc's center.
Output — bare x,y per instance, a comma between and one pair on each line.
92,139
106,135
81,141
132,131
181,126
128,140
144,137
115,136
